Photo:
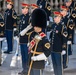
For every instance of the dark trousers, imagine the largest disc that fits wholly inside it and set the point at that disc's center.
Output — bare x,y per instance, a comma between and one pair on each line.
65,60
36,72
57,63
9,38
69,49
73,36
24,54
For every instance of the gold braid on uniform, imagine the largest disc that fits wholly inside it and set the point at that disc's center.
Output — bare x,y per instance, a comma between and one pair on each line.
1,24
68,23
1,16
29,34
64,33
64,46
70,36
48,6
71,26
1,34
74,15
47,45
13,14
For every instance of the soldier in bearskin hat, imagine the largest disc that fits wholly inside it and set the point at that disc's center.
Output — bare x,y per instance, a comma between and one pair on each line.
39,45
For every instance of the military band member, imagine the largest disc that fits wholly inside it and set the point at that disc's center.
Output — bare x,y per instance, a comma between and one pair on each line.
73,16
58,37
39,46
29,28
1,26
24,22
1,35
65,18
64,12
71,5
70,29
9,20
2,29
33,7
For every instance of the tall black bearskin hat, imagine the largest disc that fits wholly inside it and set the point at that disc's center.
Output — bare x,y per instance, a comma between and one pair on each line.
39,18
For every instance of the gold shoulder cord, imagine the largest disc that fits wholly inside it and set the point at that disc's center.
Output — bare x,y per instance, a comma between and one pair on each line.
47,45
68,22
69,18
62,29
2,16
29,34
74,15
48,7
13,15
46,4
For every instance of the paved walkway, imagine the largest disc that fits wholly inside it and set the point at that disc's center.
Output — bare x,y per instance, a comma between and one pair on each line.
8,59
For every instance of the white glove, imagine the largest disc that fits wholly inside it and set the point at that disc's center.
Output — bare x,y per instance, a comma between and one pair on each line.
1,39
15,29
51,19
63,52
39,57
40,6
69,42
47,23
24,31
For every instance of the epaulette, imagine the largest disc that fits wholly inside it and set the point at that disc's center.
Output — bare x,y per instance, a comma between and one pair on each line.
42,34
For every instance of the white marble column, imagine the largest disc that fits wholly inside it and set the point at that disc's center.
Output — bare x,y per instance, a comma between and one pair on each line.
4,5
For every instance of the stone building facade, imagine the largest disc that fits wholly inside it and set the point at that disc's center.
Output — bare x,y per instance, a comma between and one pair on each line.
17,4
